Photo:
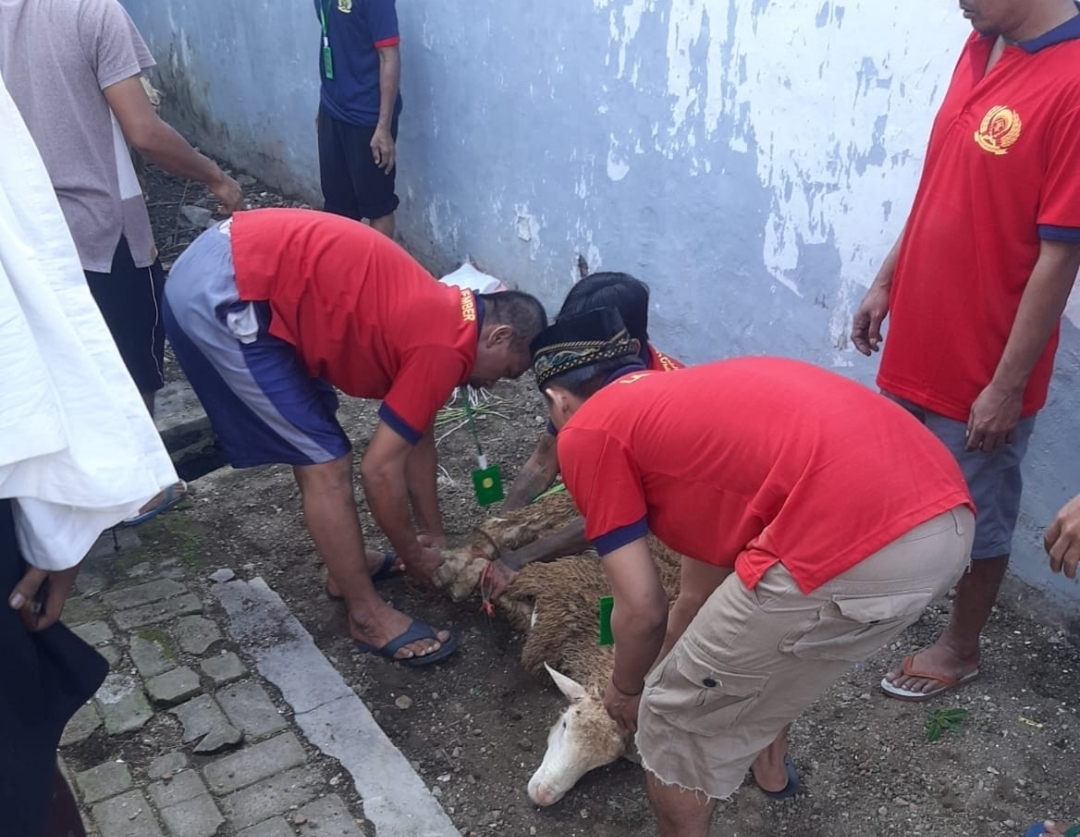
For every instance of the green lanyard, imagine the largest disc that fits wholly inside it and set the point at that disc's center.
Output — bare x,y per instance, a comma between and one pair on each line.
327,58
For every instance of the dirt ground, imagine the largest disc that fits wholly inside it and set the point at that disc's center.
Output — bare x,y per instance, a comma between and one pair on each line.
477,725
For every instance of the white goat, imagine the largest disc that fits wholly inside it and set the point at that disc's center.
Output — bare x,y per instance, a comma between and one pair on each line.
556,606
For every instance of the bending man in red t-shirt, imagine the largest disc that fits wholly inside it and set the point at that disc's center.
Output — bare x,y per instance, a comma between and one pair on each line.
797,566
977,284
630,297
269,312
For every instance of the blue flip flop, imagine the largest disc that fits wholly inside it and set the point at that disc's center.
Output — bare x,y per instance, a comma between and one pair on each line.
791,788
173,495
418,629
386,569
385,572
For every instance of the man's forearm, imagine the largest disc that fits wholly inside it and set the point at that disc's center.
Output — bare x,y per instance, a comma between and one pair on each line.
884,277
537,475
421,476
567,541
389,82
166,149
1041,307
638,639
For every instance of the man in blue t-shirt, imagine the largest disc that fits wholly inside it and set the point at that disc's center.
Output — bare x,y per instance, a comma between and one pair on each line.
359,106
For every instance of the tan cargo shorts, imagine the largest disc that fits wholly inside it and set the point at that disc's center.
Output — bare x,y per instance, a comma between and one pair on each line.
752,660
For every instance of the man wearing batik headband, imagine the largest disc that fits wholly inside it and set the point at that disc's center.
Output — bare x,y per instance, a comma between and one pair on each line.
797,567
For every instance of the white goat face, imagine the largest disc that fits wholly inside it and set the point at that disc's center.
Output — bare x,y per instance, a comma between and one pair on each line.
584,738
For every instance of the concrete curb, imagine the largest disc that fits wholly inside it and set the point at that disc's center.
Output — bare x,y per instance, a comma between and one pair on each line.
330,714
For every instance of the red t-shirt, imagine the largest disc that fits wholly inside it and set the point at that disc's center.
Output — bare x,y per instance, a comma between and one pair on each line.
660,362
752,461
362,314
1001,174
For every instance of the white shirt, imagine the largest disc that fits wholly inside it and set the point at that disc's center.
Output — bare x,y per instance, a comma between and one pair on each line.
78,450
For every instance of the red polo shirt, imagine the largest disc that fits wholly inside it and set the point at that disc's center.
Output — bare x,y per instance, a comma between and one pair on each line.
660,362
752,461
1002,173
362,314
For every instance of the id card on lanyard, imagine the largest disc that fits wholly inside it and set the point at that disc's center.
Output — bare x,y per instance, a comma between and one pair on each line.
327,56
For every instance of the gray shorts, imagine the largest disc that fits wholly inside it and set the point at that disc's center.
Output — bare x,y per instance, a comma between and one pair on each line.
993,479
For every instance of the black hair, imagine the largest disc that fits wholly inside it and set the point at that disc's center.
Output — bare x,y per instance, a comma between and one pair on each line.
588,380
519,310
629,296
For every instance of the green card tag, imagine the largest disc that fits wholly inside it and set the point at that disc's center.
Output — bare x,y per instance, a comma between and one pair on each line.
488,485
607,604
328,62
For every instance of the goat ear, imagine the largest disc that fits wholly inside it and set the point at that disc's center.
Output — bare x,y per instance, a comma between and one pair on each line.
573,690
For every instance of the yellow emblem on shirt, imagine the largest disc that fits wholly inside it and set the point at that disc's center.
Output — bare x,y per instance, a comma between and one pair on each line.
344,6
468,306
999,130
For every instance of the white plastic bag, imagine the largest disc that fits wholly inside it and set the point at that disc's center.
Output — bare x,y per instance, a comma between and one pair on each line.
467,276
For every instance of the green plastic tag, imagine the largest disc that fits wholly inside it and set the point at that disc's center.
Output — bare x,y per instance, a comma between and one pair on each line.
328,62
607,604
488,485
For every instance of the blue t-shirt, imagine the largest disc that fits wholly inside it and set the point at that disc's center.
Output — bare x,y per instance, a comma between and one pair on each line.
356,29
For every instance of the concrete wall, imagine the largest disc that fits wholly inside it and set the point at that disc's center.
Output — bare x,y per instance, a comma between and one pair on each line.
753,160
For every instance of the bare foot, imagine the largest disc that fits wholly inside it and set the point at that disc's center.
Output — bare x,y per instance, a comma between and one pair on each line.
374,564
380,628
941,659
1051,829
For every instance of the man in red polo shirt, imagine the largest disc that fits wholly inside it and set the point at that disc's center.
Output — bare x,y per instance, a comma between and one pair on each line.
268,312
977,284
630,297
797,565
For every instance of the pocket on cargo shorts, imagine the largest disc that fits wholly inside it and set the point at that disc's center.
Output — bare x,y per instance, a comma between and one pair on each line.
852,627
695,694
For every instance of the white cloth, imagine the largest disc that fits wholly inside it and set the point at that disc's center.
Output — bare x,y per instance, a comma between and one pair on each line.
78,450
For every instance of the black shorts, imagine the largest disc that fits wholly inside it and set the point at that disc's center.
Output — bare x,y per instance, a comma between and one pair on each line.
130,301
352,185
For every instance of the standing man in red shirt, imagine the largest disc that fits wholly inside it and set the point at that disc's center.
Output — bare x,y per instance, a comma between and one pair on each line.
359,106
797,566
268,312
978,282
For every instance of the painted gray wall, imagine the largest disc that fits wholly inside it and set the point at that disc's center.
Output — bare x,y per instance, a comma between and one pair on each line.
753,160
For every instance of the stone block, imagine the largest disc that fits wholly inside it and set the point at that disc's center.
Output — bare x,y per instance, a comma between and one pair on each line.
198,817
81,726
151,653
173,687
111,654
255,763
94,633
123,704
196,634
143,594
151,614
204,722
327,817
219,739
224,668
181,787
271,797
251,710
276,827
167,765
103,781
126,816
